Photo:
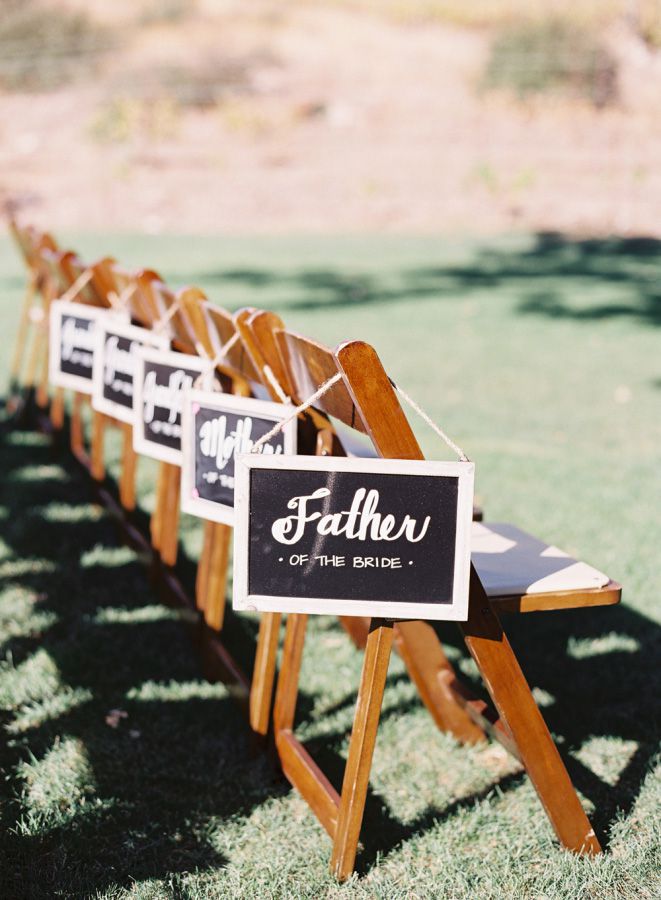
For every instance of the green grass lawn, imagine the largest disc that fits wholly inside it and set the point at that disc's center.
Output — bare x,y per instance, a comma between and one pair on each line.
542,358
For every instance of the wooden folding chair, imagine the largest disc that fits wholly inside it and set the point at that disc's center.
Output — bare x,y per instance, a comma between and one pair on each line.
161,305
317,435
247,367
66,271
195,326
95,293
208,329
214,329
190,331
415,642
51,272
258,330
33,322
50,278
25,240
110,283
106,282
365,399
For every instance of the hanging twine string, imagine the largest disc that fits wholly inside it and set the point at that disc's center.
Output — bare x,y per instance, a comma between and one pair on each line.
434,427
326,386
119,302
277,428
275,384
213,361
37,315
161,324
83,279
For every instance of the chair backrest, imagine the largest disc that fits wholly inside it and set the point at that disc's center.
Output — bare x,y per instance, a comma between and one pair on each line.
58,271
376,401
51,267
154,301
104,280
144,309
113,278
222,327
35,246
73,267
214,327
364,401
308,365
31,242
258,328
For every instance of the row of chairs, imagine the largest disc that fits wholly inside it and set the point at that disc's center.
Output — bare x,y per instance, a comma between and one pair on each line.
360,414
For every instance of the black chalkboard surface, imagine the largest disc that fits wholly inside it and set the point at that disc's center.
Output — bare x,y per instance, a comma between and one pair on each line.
217,428
72,344
160,383
380,538
115,361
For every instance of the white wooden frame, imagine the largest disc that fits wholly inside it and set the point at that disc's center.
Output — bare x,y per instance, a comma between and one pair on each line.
248,406
456,611
59,308
144,337
142,444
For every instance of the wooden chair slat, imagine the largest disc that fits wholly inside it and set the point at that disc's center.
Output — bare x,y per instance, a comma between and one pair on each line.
308,779
309,365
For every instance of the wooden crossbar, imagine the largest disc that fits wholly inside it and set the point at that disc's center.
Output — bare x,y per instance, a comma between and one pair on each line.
305,775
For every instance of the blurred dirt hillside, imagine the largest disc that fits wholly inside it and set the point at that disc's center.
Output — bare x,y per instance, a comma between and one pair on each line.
332,115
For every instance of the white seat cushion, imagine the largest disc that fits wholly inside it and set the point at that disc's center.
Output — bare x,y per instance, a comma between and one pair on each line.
512,563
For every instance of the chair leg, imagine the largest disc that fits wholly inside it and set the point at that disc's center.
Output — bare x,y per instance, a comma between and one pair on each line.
263,677
214,604
358,628
22,336
428,667
286,694
97,465
361,748
77,436
156,521
516,706
129,467
57,409
41,396
34,356
170,524
202,574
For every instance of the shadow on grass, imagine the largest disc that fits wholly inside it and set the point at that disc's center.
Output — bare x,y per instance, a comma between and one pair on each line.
182,758
622,271
598,671
177,757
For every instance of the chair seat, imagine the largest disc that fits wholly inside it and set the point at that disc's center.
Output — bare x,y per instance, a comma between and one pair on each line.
514,564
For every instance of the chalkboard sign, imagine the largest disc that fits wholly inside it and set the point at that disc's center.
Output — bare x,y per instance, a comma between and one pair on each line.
364,537
115,360
160,383
217,428
72,343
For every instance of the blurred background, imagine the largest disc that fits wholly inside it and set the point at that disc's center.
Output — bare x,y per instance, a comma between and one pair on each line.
332,115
